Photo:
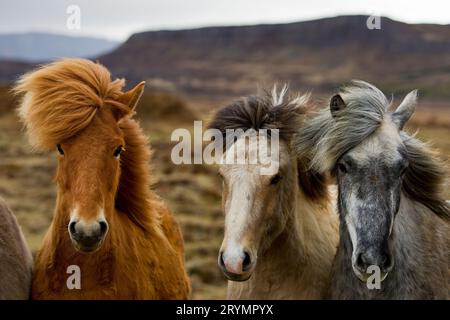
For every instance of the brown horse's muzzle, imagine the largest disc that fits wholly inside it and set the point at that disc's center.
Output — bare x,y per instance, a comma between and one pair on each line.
88,237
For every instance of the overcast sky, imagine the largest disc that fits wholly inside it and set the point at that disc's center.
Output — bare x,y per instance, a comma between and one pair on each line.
119,19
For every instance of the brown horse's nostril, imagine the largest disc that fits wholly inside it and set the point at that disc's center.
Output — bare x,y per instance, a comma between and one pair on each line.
247,263
72,229
103,227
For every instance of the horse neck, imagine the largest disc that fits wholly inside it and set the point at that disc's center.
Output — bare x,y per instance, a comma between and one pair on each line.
314,228
134,197
310,235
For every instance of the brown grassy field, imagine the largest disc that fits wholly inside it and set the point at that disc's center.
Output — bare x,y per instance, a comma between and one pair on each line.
193,192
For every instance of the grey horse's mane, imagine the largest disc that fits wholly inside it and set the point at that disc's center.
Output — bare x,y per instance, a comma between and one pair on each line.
323,139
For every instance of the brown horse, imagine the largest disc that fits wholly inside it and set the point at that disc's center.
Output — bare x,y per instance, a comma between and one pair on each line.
15,258
107,221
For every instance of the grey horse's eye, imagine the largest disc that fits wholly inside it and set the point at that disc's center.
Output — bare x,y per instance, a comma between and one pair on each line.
342,168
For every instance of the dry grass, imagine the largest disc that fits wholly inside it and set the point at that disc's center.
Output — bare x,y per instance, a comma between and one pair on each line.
192,191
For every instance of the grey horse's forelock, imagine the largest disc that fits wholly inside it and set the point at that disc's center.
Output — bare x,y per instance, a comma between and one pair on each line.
324,138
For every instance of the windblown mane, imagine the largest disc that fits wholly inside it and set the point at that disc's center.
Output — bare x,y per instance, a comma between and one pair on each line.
273,110
61,99
266,111
324,139
134,196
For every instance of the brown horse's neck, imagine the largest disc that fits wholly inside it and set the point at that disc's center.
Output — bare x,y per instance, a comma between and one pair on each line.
134,197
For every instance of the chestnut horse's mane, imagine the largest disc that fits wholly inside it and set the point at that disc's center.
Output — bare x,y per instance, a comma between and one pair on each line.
134,196
62,98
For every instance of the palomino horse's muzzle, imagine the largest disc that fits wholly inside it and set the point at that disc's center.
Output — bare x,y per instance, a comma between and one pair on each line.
239,269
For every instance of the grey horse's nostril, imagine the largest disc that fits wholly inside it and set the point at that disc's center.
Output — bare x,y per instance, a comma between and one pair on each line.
386,264
72,229
360,262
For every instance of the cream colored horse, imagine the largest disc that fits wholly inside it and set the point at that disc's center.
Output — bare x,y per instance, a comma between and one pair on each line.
281,230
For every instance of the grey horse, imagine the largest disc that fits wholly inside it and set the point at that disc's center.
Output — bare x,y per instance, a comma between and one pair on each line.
394,222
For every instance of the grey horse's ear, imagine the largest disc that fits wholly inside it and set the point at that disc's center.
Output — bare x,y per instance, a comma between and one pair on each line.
336,104
405,110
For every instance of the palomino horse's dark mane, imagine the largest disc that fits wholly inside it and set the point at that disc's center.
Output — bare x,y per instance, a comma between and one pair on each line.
325,139
63,98
272,110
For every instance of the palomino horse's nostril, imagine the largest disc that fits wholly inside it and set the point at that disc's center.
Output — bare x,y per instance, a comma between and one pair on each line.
246,264
221,262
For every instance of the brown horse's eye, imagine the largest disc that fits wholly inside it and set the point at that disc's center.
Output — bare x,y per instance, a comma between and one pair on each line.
118,151
60,150
275,179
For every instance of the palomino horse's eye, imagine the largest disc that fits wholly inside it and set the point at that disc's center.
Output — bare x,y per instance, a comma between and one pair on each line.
60,150
275,179
118,151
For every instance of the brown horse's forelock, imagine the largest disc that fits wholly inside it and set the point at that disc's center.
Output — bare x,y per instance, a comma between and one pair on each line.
61,99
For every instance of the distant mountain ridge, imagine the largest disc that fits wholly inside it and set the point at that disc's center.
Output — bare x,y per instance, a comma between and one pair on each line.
314,55
40,47
318,54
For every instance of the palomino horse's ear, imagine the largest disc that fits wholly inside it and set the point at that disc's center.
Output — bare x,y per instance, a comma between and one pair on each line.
132,96
336,104
405,110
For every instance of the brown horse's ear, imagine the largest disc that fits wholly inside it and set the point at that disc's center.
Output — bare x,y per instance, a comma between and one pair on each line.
336,105
132,96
